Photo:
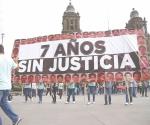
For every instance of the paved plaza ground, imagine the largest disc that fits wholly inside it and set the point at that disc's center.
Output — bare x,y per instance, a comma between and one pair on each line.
80,113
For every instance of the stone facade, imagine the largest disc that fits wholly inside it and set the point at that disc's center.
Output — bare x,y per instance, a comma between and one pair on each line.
136,22
71,20
71,23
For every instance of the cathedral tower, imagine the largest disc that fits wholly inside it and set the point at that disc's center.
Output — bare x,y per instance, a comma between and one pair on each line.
71,20
136,22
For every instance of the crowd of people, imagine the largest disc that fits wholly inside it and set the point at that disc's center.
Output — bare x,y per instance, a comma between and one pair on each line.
72,86
69,84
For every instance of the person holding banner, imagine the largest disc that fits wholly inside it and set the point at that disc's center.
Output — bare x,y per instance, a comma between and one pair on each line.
48,90
27,90
101,82
54,88
40,90
67,82
145,84
33,85
129,82
119,82
60,85
6,66
83,83
108,88
91,87
71,88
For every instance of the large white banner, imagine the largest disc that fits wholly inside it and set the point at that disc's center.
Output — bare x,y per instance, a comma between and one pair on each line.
80,47
113,52
81,55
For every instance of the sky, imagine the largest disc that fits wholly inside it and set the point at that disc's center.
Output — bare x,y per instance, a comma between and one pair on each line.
21,19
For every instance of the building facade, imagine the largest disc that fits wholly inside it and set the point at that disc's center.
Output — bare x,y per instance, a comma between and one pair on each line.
71,23
71,20
136,22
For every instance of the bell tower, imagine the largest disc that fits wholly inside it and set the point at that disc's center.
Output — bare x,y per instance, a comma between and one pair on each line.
136,22
71,20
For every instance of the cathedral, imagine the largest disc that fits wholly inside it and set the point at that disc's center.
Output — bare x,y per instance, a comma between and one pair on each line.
71,20
136,22
71,23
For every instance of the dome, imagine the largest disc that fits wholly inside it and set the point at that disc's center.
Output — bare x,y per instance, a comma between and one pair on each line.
134,13
70,8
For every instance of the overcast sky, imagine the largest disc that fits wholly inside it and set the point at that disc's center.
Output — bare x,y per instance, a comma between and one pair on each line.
31,18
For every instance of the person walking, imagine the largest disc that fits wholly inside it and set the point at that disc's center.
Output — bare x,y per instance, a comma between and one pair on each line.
6,66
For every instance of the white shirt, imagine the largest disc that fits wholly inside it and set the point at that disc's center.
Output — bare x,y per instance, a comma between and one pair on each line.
34,86
40,85
60,85
6,66
27,85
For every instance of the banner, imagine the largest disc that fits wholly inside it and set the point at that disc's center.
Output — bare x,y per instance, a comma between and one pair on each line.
113,52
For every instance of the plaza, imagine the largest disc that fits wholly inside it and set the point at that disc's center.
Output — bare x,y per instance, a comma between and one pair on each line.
80,113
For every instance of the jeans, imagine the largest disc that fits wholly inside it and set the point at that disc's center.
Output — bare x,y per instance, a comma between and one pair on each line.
78,90
40,94
27,93
101,90
134,91
71,92
60,92
6,107
91,90
129,94
54,96
82,89
33,92
144,91
48,91
54,92
108,92
0,121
